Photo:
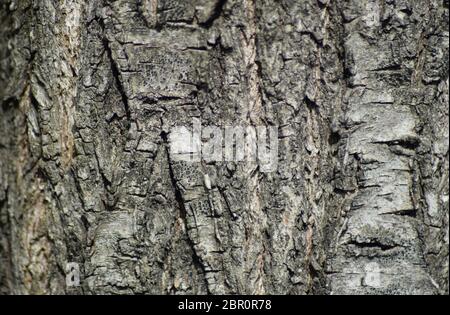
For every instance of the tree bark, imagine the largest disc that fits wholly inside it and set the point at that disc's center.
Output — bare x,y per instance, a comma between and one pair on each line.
90,92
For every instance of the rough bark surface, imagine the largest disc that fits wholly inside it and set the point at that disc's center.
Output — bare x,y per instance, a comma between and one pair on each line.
90,91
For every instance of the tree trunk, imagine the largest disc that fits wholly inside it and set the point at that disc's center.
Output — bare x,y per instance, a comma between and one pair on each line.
91,91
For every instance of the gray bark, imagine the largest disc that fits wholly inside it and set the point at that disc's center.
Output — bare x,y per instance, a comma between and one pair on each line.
90,91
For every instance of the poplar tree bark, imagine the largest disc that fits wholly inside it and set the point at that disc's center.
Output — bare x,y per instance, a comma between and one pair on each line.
90,91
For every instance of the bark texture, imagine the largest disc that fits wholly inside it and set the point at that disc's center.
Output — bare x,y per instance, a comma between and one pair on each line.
90,90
